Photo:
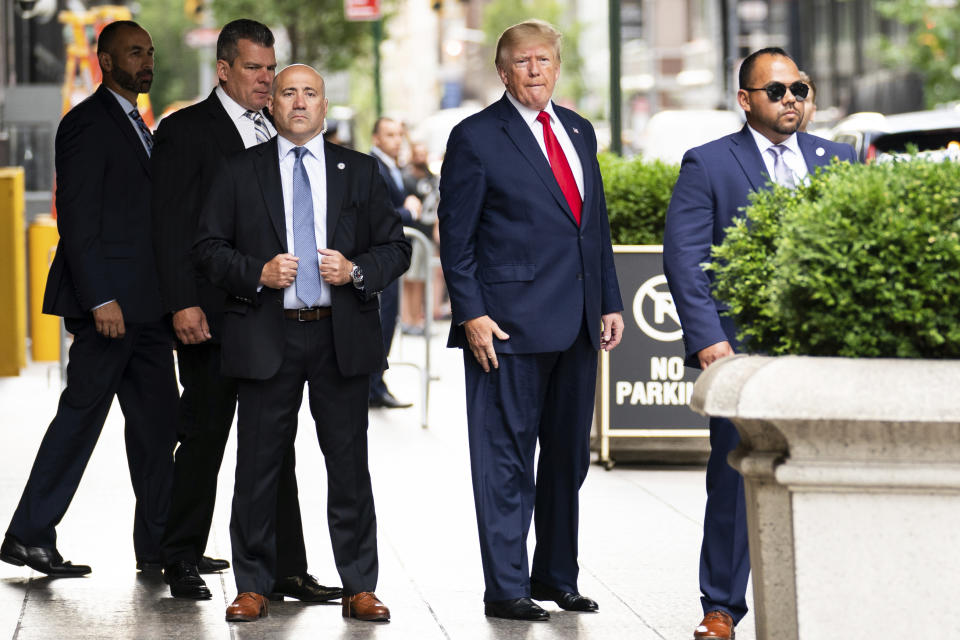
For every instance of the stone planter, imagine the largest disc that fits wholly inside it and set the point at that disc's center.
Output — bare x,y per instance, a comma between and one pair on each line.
852,475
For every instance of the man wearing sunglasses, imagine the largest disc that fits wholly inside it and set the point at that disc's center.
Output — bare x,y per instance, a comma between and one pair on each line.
714,184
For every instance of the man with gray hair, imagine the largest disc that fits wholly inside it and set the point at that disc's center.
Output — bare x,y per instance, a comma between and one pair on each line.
191,147
525,248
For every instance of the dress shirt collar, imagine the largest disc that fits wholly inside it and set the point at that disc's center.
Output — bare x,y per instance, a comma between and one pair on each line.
530,115
314,146
387,160
764,143
234,109
125,104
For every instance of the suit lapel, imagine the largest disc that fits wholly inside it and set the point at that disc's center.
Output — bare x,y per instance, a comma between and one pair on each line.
744,149
122,120
336,183
224,130
521,135
585,161
814,154
267,167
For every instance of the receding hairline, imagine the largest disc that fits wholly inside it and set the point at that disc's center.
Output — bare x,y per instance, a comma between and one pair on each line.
299,66
528,31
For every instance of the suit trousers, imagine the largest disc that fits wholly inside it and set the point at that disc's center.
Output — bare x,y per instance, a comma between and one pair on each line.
545,397
204,417
138,369
267,427
725,554
389,309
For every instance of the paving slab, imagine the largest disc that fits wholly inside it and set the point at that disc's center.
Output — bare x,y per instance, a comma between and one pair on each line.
639,546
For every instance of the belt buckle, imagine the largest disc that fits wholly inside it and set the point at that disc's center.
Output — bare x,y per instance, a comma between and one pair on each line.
300,311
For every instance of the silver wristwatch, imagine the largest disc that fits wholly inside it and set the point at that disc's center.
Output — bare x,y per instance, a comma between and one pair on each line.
357,275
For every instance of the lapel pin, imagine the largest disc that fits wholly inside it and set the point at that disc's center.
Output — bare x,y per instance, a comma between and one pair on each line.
820,151
575,130
342,166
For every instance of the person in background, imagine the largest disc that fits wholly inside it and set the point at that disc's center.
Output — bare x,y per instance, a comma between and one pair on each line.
418,181
387,140
103,282
526,252
191,147
810,104
715,182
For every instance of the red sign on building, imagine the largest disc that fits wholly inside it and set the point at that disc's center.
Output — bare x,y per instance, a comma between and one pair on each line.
361,10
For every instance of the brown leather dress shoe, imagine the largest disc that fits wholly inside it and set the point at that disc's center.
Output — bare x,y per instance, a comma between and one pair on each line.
247,607
716,625
365,606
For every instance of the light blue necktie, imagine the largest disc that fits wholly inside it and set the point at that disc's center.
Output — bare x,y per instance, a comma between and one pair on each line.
144,130
304,236
782,173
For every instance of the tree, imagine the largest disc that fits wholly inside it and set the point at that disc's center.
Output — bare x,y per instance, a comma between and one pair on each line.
319,33
933,45
500,14
175,64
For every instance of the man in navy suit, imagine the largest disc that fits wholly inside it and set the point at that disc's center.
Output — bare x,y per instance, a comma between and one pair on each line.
714,184
525,248
103,282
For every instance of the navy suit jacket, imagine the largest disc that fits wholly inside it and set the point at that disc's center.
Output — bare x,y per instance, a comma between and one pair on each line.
103,216
509,244
714,186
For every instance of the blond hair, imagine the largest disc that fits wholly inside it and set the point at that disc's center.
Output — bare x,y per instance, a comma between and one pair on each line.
526,31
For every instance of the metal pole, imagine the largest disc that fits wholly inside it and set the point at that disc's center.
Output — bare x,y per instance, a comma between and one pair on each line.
377,38
616,126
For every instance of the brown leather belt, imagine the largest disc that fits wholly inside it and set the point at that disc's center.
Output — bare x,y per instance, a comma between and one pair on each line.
307,314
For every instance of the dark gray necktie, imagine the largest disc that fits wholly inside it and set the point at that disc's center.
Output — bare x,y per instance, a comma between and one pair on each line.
304,235
144,130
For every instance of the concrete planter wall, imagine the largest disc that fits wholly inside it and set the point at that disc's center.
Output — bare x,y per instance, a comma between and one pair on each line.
852,474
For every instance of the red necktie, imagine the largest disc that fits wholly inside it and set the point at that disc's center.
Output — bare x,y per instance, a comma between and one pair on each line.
561,168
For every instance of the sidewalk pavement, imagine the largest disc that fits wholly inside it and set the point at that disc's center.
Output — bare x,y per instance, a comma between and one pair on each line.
640,531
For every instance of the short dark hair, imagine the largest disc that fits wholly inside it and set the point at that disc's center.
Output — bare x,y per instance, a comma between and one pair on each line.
380,120
107,37
746,67
242,29
805,77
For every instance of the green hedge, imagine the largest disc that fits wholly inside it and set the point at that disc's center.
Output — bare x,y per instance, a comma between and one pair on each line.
864,261
637,195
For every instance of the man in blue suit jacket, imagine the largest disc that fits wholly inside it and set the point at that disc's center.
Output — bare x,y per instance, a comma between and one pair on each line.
525,248
714,184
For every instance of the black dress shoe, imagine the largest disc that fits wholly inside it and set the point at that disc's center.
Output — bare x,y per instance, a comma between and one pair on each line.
567,601
48,561
304,588
518,609
387,401
185,581
212,565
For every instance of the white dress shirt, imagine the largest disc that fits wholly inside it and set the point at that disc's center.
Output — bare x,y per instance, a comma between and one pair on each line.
530,117
792,156
315,164
243,124
127,107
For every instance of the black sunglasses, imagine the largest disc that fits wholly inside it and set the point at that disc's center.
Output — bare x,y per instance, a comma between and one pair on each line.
776,90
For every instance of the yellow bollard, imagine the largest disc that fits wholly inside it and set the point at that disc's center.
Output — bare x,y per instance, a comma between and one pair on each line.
13,277
42,238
